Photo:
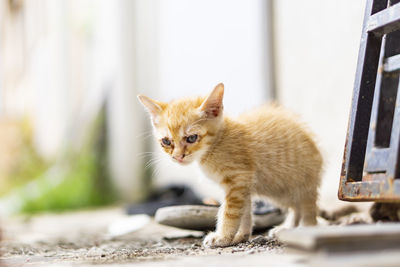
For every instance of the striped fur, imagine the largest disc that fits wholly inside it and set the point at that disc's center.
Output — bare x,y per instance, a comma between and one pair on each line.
266,152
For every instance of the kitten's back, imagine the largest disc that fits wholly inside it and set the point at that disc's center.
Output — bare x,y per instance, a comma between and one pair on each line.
284,150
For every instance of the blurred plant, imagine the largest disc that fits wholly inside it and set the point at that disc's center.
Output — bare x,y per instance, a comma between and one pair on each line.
81,179
23,163
78,179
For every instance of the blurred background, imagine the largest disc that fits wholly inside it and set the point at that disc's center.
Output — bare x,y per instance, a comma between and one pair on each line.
72,133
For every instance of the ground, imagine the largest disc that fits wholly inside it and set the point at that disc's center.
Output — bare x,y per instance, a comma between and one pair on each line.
80,238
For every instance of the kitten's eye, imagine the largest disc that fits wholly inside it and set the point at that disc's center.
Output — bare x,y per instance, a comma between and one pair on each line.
166,141
192,138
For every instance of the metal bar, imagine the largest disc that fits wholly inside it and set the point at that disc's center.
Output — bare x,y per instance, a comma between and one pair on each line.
377,160
371,166
373,155
352,148
384,21
392,64
362,105
393,160
383,190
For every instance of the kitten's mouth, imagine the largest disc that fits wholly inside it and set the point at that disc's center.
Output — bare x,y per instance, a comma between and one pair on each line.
185,161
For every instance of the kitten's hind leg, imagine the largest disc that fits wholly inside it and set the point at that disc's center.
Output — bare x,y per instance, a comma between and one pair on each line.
292,220
246,225
296,217
309,213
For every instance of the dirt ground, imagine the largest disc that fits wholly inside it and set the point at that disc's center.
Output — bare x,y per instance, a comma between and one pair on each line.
81,238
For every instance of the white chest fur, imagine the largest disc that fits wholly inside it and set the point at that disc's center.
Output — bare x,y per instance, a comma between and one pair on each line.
210,173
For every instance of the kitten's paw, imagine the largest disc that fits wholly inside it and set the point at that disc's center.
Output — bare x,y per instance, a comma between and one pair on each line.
213,240
274,231
241,237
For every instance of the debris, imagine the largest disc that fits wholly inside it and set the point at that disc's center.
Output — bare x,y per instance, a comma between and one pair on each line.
128,224
170,236
251,251
95,252
386,212
260,240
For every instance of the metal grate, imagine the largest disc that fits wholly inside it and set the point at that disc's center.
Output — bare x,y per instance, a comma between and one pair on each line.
371,164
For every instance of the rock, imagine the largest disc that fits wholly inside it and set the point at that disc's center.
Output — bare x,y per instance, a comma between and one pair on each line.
95,252
252,251
180,234
194,246
198,217
188,217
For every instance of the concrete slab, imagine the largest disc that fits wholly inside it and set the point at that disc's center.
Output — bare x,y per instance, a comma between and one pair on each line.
343,238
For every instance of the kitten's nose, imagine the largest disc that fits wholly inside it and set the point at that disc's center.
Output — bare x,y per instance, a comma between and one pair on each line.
179,158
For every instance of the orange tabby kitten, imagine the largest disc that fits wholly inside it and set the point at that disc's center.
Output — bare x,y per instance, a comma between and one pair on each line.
266,152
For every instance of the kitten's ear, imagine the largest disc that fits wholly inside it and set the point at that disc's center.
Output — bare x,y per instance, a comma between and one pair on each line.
212,106
152,106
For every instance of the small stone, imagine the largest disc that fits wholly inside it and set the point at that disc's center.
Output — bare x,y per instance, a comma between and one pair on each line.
237,249
194,246
251,251
94,252
159,244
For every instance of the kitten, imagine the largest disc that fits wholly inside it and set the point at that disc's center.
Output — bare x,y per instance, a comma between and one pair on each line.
266,152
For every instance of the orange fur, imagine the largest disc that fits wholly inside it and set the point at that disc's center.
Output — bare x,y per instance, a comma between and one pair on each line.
265,152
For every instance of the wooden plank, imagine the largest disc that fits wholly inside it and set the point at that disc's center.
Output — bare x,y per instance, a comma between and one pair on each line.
343,238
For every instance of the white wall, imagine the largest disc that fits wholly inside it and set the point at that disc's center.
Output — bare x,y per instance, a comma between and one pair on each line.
316,53
202,43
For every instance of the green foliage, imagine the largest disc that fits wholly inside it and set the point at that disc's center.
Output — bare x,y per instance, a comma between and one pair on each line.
79,188
81,179
28,165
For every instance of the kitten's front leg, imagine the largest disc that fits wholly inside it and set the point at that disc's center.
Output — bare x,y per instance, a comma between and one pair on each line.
229,217
246,224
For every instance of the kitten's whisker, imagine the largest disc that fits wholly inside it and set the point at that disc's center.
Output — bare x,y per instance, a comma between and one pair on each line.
147,153
146,134
152,162
156,171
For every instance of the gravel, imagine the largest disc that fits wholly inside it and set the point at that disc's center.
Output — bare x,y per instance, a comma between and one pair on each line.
36,241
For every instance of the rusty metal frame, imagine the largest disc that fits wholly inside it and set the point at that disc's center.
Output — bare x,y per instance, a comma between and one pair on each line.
371,168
